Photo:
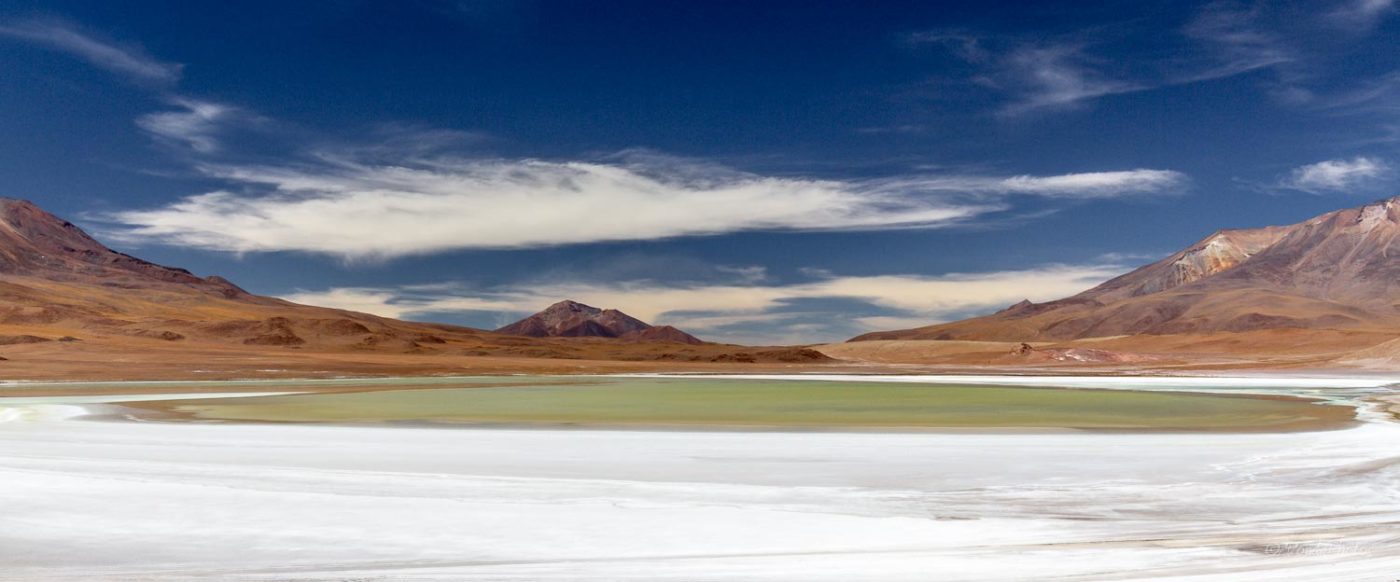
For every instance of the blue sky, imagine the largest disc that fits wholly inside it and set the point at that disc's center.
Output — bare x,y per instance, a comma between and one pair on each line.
752,172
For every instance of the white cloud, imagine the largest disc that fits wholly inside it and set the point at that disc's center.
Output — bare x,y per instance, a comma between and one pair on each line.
196,124
359,210
381,302
749,274
405,301
744,312
1096,184
129,61
1041,75
1057,76
893,322
1336,175
193,123
718,323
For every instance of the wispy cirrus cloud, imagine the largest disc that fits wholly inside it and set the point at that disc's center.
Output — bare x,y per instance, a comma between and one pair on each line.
1055,76
1339,175
354,209
1038,75
126,60
1222,39
393,192
1361,15
1096,184
743,311
1235,40
195,124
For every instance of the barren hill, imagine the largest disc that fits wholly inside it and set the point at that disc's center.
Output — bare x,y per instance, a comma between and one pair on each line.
55,279
1338,271
66,297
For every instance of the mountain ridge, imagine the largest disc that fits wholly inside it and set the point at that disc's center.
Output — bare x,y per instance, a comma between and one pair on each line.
1333,271
69,306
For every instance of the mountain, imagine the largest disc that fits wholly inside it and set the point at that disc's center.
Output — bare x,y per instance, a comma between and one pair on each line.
38,244
573,319
56,279
1338,271
72,308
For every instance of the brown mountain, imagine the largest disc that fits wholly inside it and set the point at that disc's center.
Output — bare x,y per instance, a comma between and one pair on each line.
55,279
573,319
34,243
72,308
1338,271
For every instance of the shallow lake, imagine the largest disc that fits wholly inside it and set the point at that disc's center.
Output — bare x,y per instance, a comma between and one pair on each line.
750,403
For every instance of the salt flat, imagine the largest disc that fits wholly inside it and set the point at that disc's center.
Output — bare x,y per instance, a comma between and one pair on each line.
123,500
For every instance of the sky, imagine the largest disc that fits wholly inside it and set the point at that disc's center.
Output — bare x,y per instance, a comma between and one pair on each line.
774,172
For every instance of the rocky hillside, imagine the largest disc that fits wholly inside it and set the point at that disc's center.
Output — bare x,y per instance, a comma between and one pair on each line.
66,296
56,281
1337,271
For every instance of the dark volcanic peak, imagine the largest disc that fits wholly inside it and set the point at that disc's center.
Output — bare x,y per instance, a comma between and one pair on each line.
573,319
557,320
1340,270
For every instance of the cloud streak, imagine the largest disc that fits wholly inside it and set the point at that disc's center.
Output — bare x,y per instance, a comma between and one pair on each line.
1221,39
739,311
357,210
1043,75
1236,41
1056,77
195,124
131,62
191,123
1336,175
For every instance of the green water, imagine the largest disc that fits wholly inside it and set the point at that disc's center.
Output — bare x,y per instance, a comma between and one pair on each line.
712,402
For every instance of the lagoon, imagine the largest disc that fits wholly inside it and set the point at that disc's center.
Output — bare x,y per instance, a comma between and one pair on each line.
717,402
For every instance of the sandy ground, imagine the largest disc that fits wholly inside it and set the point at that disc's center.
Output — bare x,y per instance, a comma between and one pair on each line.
137,359
96,361
148,501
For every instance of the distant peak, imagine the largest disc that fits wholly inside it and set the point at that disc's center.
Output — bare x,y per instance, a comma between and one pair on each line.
569,318
571,305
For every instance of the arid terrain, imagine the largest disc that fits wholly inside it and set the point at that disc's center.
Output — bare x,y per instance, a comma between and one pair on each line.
1312,296
71,308
1319,293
